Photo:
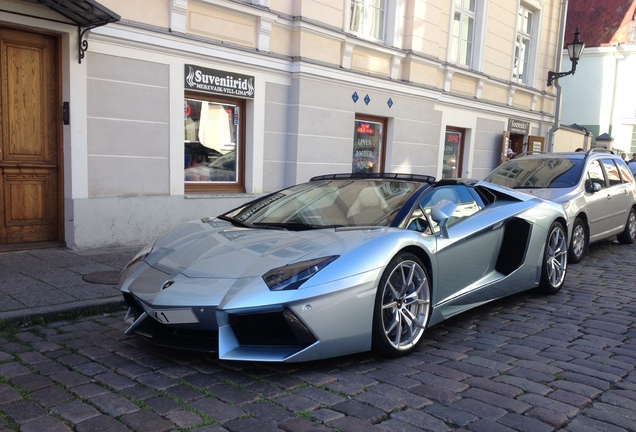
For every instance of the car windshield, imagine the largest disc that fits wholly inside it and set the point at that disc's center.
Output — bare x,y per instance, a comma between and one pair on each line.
558,172
333,203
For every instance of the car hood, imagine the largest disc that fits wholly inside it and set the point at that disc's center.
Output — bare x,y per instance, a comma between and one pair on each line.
216,249
552,194
214,263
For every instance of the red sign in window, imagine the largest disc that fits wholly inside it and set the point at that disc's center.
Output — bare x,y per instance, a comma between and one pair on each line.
365,128
453,137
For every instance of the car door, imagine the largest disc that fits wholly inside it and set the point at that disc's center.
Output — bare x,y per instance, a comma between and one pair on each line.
598,202
469,250
619,197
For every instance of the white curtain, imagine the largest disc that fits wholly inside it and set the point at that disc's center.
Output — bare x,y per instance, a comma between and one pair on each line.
214,128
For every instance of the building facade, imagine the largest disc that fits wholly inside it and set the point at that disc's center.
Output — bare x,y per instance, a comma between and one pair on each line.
150,113
601,95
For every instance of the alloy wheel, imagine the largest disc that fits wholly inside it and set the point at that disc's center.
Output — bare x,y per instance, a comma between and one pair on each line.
405,305
556,257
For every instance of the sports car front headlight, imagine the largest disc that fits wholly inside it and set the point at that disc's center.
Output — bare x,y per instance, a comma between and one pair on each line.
141,255
292,276
132,265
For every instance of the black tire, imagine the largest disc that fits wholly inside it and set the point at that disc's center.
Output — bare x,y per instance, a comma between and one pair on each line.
555,260
580,241
402,306
628,236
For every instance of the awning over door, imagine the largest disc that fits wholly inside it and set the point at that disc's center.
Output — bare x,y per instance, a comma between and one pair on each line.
86,14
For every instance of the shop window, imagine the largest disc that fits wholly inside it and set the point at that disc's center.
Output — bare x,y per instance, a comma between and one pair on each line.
213,145
368,145
453,151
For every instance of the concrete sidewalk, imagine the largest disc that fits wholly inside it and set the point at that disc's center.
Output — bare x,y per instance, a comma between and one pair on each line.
44,283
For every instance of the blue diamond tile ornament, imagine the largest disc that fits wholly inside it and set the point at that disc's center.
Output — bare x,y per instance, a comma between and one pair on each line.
367,99
389,102
355,97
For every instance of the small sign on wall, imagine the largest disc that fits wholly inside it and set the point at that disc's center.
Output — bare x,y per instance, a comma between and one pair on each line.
518,126
216,81
536,144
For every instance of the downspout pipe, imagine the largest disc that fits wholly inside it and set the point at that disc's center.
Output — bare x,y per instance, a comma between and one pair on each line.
557,107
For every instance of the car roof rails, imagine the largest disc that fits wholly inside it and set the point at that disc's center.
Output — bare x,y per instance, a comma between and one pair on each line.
598,150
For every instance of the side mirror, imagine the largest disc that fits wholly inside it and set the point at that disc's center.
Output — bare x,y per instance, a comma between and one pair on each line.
594,187
440,213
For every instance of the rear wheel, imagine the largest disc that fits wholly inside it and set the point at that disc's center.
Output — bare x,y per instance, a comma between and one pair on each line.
555,260
580,239
402,306
628,236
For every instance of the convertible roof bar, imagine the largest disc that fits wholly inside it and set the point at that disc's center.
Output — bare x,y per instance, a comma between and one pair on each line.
390,176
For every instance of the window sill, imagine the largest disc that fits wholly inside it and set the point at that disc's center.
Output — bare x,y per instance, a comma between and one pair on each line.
219,195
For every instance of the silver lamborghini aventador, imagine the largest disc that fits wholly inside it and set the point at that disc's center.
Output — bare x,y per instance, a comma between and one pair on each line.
344,263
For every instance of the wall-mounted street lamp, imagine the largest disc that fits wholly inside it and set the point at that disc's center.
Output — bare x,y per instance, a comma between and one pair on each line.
575,49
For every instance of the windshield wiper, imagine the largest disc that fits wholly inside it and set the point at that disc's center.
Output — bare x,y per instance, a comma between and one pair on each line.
234,222
526,187
296,226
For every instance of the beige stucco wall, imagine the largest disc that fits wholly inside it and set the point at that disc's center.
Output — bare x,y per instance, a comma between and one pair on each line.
152,12
221,24
329,12
319,47
464,85
499,42
523,100
495,92
284,40
428,74
370,61
569,140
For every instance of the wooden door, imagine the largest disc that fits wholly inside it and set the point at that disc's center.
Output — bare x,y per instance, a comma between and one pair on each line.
29,151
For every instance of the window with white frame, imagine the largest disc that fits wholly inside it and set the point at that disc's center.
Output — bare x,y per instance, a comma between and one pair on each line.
524,45
463,33
368,18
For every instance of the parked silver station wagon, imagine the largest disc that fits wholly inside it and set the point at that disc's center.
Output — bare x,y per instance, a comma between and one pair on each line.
596,189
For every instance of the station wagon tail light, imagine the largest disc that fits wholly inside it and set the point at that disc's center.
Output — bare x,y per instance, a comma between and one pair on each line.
292,276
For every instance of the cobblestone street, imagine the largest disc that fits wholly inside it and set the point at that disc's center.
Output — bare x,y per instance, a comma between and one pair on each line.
526,363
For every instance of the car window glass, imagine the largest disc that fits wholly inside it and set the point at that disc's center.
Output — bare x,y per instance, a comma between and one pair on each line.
595,174
458,194
422,222
530,173
612,172
626,174
337,202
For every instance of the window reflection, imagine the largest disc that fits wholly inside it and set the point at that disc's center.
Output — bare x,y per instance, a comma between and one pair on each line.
210,137
367,18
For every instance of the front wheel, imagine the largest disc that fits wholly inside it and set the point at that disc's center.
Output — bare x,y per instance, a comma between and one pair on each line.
555,260
579,243
628,236
402,306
